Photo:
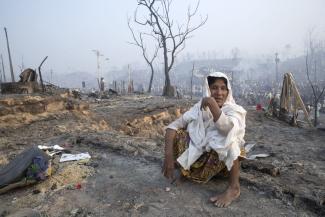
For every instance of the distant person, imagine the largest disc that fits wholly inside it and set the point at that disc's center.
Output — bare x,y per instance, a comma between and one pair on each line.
208,139
308,108
102,84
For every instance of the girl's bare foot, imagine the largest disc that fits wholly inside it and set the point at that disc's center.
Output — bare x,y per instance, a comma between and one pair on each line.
225,199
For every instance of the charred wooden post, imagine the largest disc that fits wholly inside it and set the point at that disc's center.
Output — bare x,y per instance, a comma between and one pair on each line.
3,70
40,74
123,87
115,85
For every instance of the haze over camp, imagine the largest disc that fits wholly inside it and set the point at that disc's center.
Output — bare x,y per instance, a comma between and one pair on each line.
162,108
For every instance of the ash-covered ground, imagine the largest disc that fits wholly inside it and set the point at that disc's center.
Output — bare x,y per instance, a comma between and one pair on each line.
125,138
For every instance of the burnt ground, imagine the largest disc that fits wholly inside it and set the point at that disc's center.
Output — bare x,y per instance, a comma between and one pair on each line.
124,136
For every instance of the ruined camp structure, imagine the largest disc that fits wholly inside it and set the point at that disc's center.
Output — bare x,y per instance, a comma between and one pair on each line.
27,84
290,102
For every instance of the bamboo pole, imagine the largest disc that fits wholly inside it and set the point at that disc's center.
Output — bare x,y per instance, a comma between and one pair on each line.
10,62
302,105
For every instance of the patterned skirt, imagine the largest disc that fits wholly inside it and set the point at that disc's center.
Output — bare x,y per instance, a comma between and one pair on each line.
203,169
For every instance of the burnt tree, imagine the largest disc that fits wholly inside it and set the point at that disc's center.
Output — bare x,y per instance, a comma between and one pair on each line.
312,66
138,40
170,35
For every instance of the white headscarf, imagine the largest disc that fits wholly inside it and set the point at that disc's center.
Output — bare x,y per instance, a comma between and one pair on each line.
204,133
206,90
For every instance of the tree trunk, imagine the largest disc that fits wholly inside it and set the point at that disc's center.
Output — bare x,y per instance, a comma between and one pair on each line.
151,79
315,116
168,88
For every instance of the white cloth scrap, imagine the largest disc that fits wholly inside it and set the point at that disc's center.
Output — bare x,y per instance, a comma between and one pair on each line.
55,147
254,156
72,157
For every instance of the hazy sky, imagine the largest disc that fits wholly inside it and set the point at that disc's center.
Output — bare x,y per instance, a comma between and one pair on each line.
67,30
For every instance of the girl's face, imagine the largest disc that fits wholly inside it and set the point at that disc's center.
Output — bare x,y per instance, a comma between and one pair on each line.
219,91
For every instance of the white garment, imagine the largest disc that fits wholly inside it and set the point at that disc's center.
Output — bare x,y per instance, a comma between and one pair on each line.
225,136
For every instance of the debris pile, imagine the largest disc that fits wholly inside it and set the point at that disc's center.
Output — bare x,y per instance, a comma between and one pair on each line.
48,169
20,109
151,126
